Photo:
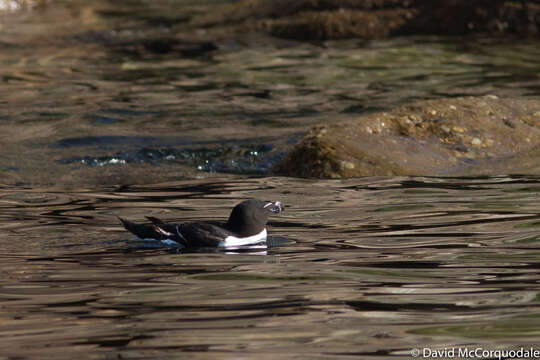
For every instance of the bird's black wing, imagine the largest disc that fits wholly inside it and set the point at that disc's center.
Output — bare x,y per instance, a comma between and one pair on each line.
203,234
167,231
194,234
158,230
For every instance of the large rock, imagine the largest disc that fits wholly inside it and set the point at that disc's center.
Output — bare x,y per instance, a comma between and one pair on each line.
456,136
374,19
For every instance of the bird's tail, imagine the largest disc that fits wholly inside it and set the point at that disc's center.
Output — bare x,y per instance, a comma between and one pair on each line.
140,230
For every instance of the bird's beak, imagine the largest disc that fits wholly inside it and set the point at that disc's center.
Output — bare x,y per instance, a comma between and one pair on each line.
276,207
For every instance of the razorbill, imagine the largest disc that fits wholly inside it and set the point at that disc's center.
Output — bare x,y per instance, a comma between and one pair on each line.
246,226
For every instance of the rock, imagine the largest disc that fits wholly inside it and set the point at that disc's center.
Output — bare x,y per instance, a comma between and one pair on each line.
374,19
338,24
457,136
476,141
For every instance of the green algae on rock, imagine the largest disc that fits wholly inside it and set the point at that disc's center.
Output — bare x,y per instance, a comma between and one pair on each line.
319,156
452,136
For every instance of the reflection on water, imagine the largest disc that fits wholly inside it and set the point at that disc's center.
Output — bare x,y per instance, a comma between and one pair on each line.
371,267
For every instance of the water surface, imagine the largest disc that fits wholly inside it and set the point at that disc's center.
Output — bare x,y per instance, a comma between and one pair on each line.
93,92
372,268
97,93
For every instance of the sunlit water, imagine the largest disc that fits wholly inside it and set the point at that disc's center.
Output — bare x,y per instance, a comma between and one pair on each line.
370,268
88,85
363,268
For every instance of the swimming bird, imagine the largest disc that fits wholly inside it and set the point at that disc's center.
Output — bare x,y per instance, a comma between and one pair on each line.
246,226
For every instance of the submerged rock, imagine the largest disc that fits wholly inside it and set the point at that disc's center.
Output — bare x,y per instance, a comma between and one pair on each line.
455,136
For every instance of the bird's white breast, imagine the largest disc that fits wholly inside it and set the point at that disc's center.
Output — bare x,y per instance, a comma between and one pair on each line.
234,241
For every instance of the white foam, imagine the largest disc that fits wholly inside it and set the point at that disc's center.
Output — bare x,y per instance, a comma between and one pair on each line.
231,241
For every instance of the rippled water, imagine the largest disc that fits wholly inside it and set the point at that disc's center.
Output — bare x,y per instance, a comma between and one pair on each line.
97,93
153,90
372,268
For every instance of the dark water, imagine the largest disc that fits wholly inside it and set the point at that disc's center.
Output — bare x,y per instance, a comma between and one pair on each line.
372,268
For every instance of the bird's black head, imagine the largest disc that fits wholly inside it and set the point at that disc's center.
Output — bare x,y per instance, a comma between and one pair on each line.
250,216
